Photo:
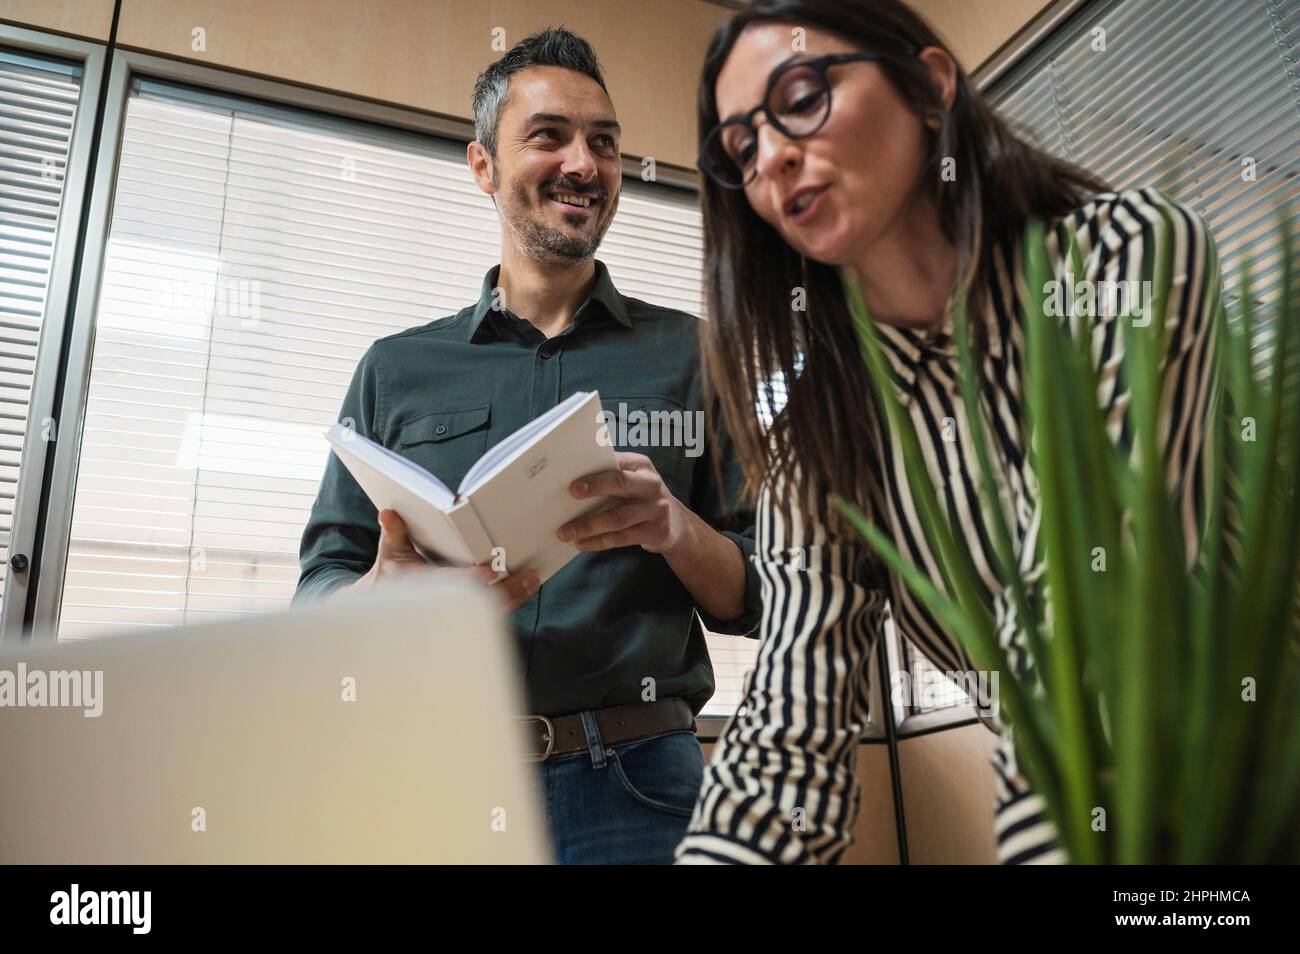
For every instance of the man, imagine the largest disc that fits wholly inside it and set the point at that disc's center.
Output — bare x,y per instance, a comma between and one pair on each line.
613,656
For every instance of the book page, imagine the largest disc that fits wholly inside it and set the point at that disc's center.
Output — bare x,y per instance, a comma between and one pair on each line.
524,500
508,449
394,483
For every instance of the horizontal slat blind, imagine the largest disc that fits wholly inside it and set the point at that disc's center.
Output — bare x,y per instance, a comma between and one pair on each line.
252,259
38,103
1198,88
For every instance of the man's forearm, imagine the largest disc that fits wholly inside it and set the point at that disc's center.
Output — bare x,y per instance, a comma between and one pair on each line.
711,567
323,584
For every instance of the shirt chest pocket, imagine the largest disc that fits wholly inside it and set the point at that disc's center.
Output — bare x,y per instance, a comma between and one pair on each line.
445,443
661,429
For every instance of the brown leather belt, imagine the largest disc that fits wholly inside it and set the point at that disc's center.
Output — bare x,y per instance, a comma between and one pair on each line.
547,736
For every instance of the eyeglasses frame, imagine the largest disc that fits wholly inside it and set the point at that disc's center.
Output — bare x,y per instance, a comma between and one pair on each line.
821,65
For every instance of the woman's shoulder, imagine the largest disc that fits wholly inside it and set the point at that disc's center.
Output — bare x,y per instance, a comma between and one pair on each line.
1108,224
1129,242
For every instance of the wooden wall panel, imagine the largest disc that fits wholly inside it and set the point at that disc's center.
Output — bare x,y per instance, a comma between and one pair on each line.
426,53
89,19
975,29
948,794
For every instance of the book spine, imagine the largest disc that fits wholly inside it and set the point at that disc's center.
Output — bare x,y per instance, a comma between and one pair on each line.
467,523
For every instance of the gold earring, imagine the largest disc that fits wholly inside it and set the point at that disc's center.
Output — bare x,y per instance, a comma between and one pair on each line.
934,119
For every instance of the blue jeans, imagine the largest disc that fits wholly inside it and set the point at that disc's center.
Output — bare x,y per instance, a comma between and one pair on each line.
624,804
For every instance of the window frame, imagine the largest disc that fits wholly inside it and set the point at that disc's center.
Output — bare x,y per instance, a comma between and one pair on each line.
89,57
1024,43
128,66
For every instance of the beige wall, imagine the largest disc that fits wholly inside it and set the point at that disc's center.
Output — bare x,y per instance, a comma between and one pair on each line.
976,28
426,53
948,792
875,833
421,53
89,19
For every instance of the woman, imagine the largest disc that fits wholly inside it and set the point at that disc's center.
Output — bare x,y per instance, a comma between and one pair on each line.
843,135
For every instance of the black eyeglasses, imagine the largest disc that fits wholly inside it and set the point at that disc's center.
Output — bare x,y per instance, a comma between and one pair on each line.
796,103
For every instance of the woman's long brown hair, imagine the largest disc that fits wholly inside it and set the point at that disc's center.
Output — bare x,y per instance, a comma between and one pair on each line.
755,336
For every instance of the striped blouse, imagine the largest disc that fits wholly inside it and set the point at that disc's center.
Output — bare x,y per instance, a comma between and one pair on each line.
793,742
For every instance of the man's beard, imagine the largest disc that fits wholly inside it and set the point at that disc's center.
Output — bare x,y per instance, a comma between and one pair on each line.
537,240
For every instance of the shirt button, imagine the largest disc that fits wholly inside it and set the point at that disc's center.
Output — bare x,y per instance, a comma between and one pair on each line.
440,429
546,352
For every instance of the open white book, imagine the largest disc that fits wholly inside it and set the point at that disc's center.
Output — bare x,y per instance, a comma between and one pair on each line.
514,497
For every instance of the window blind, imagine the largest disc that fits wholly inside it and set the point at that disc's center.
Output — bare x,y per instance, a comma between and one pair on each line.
253,255
38,103
1206,90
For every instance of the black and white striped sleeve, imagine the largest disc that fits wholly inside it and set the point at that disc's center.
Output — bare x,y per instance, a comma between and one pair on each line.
780,786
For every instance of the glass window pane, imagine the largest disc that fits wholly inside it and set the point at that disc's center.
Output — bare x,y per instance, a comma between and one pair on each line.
38,105
252,259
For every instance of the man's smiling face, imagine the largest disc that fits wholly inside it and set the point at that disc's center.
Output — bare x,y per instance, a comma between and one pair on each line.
557,173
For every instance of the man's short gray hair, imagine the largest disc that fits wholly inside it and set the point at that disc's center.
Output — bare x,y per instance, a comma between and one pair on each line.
554,46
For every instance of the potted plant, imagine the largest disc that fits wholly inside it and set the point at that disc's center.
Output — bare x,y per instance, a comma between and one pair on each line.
1168,699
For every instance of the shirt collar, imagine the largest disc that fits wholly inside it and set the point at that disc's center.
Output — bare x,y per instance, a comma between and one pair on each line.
907,348
603,294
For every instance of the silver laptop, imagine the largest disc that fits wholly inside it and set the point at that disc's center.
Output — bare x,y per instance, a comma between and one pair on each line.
376,728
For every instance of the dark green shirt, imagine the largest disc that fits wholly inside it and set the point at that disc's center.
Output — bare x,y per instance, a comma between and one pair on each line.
445,392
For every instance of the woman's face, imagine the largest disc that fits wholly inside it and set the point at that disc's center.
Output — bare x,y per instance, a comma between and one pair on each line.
864,163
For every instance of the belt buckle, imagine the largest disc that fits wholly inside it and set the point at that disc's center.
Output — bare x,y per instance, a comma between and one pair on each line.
549,736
